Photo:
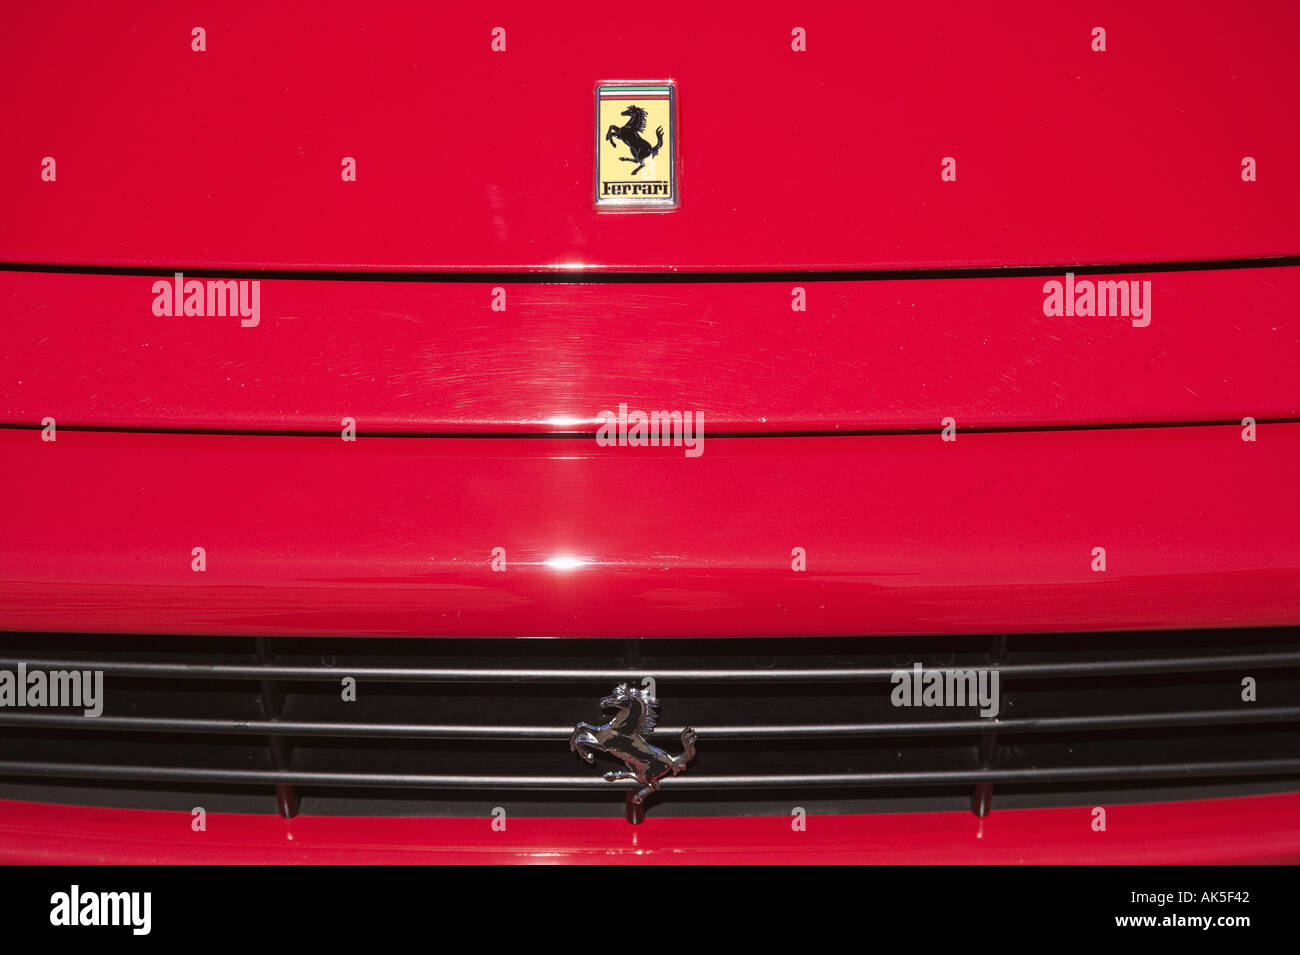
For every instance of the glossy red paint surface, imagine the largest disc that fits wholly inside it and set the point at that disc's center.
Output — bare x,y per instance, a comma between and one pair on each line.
904,534
1256,829
400,356
472,159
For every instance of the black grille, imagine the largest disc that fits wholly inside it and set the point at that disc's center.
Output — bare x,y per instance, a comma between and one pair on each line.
455,727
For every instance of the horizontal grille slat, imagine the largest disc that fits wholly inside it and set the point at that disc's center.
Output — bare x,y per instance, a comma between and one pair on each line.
192,720
1281,714
695,781
1062,669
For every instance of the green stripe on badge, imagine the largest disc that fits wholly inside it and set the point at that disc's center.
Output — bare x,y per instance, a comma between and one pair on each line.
635,89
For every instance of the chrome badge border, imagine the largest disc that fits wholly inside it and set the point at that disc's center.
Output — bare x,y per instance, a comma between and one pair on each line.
631,204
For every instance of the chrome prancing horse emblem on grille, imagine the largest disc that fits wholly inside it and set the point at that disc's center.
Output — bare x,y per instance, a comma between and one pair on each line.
625,737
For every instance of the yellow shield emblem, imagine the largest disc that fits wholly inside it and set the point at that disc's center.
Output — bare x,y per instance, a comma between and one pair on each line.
636,146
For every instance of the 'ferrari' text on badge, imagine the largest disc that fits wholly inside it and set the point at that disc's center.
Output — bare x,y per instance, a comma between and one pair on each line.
636,146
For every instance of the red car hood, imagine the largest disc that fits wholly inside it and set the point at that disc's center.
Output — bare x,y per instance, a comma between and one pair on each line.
470,159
